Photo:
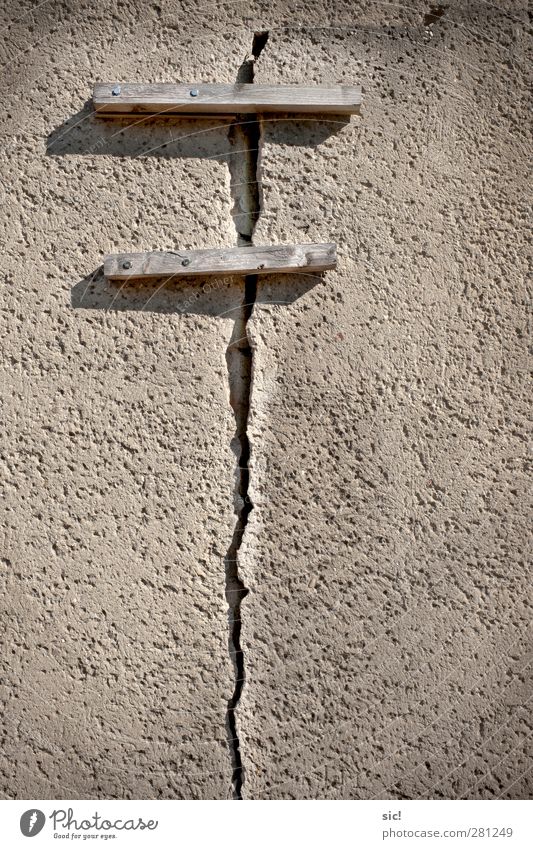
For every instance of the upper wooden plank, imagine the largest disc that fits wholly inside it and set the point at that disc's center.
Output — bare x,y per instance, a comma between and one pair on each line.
265,259
210,99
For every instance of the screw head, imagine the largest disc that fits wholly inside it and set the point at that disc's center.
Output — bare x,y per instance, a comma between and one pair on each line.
185,262
126,264
116,91
194,92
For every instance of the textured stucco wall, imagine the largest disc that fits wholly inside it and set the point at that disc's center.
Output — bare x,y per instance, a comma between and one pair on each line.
385,631
117,467
386,628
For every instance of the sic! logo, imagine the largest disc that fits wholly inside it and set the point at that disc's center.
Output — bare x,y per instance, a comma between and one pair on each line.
32,822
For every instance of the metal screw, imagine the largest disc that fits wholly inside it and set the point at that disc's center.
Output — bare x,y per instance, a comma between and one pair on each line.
185,262
126,264
116,91
194,92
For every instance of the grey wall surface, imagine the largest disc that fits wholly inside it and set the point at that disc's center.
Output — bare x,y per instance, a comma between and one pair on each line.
385,630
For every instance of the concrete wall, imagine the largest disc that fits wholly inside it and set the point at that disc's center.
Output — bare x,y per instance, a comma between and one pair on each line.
384,632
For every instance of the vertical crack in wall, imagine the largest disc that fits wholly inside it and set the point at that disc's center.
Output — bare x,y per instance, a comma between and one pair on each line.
239,361
244,136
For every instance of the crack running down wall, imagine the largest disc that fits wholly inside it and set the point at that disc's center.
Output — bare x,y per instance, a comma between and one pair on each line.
384,634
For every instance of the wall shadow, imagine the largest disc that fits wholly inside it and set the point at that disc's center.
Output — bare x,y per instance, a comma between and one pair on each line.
212,296
139,135
302,130
180,136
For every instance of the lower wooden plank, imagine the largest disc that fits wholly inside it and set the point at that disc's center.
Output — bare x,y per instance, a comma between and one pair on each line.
268,259
211,98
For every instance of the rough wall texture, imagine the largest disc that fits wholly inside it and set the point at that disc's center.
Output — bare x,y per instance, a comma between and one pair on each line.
118,472
385,629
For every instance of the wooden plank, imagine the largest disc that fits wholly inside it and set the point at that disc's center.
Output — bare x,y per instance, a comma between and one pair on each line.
268,259
208,98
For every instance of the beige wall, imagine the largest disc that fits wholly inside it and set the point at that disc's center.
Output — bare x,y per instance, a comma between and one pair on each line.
385,631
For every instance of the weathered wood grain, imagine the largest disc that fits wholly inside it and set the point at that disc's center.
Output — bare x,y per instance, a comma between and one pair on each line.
268,259
213,99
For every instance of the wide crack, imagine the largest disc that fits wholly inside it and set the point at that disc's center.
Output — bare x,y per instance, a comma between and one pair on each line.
244,136
239,361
